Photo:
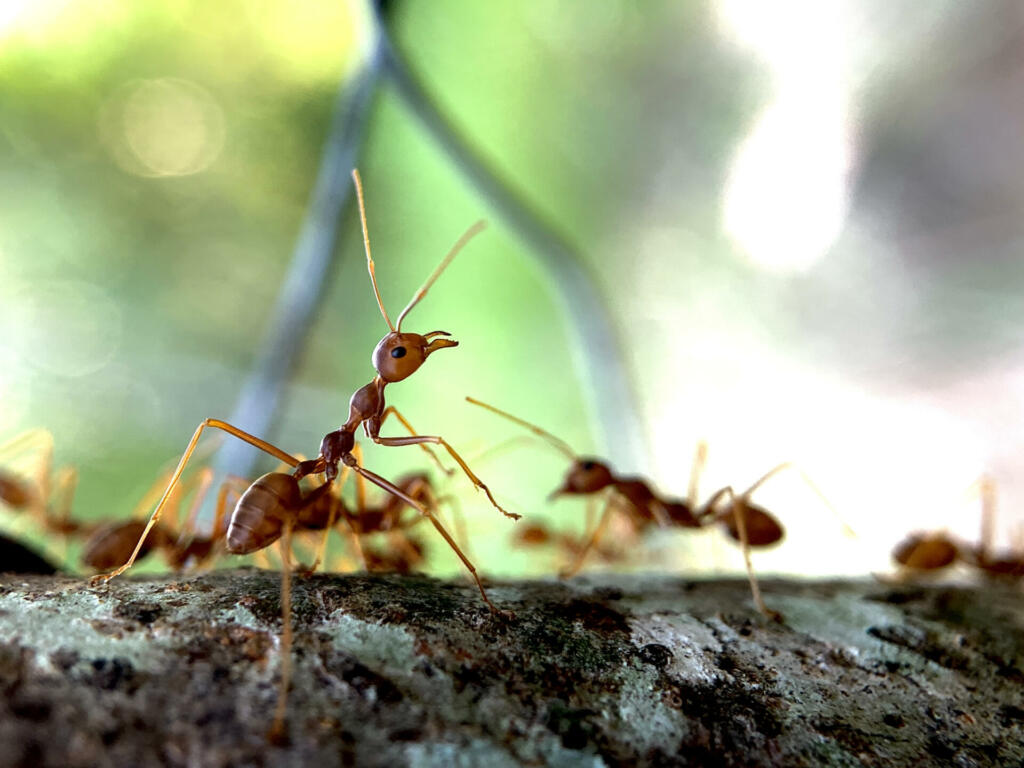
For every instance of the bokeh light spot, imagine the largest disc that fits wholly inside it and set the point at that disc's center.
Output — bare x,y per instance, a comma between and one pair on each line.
69,328
163,127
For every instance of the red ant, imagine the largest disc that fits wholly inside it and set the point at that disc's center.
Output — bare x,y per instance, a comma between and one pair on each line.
929,552
272,507
744,521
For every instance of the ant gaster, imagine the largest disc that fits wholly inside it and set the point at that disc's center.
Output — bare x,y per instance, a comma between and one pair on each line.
268,510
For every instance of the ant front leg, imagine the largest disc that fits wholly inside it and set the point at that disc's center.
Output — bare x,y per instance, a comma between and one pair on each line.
420,440
263,445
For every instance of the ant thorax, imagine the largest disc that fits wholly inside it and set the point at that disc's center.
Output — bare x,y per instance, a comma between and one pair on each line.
366,403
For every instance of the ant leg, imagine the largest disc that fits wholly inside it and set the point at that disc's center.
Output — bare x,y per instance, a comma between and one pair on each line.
420,439
203,480
17,445
277,730
32,441
405,423
987,488
218,424
700,458
355,525
393,489
707,512
45,473
331,519
739,513
592,540
67,482
458,519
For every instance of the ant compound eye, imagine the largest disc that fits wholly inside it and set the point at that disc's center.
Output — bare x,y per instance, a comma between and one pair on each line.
587,465
398,352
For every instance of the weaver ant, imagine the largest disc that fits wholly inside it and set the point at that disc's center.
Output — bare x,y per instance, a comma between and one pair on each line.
273,506
744,521
934,551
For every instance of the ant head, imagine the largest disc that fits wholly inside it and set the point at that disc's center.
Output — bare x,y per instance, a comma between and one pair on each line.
585,476
399,355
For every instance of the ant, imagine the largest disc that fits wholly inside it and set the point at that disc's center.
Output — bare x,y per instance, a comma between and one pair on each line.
270,509
929,552
744,521
110,544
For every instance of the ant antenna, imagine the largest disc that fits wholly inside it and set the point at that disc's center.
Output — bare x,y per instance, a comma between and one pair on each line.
468,235
366,242
561,445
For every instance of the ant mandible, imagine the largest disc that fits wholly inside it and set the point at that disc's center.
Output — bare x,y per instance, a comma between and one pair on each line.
269,508
747,523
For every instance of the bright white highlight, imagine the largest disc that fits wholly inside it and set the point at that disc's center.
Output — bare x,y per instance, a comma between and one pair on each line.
786,196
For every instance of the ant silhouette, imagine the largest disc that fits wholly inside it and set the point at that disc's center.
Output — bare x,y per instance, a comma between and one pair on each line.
928,552
745,522
271,508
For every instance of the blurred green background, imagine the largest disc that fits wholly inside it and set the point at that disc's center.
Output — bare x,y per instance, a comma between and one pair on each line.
803,223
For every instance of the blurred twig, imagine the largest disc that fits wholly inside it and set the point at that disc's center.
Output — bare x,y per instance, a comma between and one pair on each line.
308,275
595,347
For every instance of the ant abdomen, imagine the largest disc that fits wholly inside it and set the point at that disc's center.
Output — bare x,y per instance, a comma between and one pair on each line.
258,519
13,492
112,544
926,552
763,529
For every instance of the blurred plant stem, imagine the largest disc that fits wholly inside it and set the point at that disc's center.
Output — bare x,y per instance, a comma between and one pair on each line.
594,345
304,286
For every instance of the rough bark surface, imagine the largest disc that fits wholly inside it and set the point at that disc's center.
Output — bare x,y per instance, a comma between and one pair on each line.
408,670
